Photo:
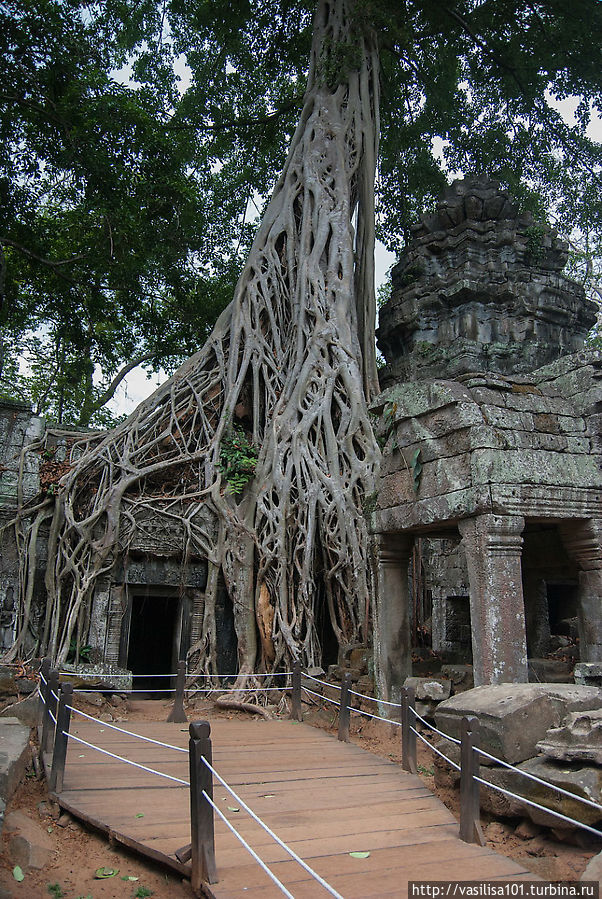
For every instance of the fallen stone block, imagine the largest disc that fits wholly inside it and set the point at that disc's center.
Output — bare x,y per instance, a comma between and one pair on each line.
29,846
461,677
582,780
588,673
435,689
27,710
513,718
579,739
550,671
14,755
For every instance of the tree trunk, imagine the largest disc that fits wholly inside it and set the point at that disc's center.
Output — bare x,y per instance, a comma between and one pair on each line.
291,361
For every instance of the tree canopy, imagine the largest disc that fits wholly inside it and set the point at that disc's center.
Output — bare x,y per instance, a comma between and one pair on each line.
136,138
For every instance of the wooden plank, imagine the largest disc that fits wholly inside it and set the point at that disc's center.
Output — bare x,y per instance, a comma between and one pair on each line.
323,798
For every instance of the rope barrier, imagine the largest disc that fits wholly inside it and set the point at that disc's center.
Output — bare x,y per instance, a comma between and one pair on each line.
323,682
124,690
539,780
234,689
434,748
121,758
271,833
376,717
110,674
395,705
542,808
319,695
130,733
175,674
435,730
52,716
251,851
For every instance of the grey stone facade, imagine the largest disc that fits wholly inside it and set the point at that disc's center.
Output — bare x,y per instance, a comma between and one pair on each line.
150,594
492,441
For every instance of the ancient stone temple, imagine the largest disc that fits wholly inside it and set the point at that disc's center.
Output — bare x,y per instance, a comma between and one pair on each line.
490,421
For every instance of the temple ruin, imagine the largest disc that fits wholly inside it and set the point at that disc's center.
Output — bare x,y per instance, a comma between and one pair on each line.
490,420
490,424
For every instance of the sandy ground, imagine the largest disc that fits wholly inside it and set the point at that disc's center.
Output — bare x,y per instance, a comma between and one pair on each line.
79,852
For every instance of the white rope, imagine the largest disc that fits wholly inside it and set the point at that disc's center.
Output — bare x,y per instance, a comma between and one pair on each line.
376,717
121,758
52,716
122,730
52,693
539,780
434,748
435,730
319,695
42,678
234,689
542,808
280,842
128,690
111,674
323,682
251,851
395,705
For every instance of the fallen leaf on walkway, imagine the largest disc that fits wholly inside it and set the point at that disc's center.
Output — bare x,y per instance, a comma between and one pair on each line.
103,873
359,854
18,873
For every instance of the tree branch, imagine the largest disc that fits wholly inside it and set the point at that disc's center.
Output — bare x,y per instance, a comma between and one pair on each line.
110,391
51,263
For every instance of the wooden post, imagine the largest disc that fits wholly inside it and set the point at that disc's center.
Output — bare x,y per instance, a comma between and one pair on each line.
44,672
408,737
177,714
296,711
51,705
344,708
470,811
61,738
201,811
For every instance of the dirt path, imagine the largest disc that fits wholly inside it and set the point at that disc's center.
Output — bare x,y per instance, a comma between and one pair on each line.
79,852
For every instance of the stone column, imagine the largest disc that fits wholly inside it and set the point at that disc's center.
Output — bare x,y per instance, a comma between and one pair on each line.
392,625
493,546
583,543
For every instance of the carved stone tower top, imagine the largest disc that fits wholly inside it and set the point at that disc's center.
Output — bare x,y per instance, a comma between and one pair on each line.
480,288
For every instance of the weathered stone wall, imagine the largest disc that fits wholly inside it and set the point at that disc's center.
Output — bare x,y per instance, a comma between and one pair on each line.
490,443
18,428
155,561
480,289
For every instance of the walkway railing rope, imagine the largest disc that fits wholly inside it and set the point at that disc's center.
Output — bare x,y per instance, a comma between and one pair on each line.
469,767
201,850
57,706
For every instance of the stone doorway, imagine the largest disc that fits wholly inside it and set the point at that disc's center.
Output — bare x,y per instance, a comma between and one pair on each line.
153,635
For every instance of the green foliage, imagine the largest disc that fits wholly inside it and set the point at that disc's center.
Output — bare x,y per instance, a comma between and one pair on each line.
136,137
56,890
142,893
337,60
535,248
84,651
238,458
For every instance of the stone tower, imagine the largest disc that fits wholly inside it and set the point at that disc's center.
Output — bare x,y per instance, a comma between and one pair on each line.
480,288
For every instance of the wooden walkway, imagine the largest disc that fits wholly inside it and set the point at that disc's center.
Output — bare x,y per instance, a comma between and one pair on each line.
323,798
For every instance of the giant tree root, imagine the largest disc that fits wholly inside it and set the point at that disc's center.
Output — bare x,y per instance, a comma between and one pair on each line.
243,707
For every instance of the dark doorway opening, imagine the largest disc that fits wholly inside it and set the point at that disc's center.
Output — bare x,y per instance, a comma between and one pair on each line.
151,647
563,608
226,639
326,634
